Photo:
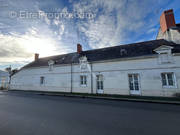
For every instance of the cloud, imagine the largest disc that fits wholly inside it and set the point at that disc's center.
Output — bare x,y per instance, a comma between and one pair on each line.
44,16
19,47
117,21
21,38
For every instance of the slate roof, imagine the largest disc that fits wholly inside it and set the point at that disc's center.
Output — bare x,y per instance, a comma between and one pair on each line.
121,51
178,27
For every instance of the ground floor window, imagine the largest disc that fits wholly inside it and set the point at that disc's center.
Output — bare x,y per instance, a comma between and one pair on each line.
168,79
42,80
134,83
83,80
99,82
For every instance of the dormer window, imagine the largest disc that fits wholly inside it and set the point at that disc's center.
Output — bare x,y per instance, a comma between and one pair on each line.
164,58
123,52
83,62
51,64
164,54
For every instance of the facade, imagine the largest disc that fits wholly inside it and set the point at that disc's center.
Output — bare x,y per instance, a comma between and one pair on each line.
3,79
150,68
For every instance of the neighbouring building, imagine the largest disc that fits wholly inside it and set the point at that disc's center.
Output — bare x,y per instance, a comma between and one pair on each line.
150,68
4,77
169,30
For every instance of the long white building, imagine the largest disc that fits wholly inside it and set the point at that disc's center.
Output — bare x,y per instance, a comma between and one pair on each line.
150,68
4,79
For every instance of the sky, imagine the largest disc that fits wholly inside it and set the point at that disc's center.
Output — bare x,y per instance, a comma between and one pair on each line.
51,27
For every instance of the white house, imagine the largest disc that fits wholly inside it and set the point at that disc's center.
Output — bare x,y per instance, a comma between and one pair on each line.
150,68
4,79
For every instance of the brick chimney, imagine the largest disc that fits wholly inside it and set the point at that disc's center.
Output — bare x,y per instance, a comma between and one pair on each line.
79,48
36,56
167,20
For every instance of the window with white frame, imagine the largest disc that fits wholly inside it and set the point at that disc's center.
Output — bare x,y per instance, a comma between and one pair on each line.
42,80
99,82
168,80
83,80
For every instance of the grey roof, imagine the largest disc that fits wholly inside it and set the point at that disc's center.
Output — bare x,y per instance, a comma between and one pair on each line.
121,51
177,27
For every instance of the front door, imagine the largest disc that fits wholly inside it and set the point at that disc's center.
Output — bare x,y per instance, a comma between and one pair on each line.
134,84
99,82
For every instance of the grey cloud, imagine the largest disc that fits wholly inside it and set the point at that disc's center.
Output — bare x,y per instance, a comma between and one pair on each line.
11,49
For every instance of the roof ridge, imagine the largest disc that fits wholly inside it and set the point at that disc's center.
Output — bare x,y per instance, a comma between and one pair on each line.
105,48
125,45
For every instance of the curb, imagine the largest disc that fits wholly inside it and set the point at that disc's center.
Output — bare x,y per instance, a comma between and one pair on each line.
112,98
102,97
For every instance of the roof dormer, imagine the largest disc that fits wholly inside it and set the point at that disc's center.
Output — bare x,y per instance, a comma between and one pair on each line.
51,64
164,54
83,62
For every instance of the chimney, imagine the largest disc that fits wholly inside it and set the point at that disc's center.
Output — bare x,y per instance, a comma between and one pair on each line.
36,56
167,20
79,48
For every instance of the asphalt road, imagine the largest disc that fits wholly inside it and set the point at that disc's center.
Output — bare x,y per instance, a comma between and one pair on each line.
29,114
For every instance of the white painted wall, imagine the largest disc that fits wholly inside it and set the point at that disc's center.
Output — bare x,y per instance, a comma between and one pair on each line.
115,77
4,76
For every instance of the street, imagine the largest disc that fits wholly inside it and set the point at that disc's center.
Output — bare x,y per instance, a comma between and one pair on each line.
31,114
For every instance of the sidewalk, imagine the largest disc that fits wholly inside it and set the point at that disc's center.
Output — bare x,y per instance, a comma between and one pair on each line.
162,100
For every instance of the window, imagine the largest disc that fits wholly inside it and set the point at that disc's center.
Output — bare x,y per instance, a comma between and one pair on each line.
99,82
168,79
51,63
50,67
83,80
42,80
164,54
165,58
83,62
134,82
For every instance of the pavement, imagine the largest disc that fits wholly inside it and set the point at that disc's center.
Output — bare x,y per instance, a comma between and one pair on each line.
32,114
160,100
